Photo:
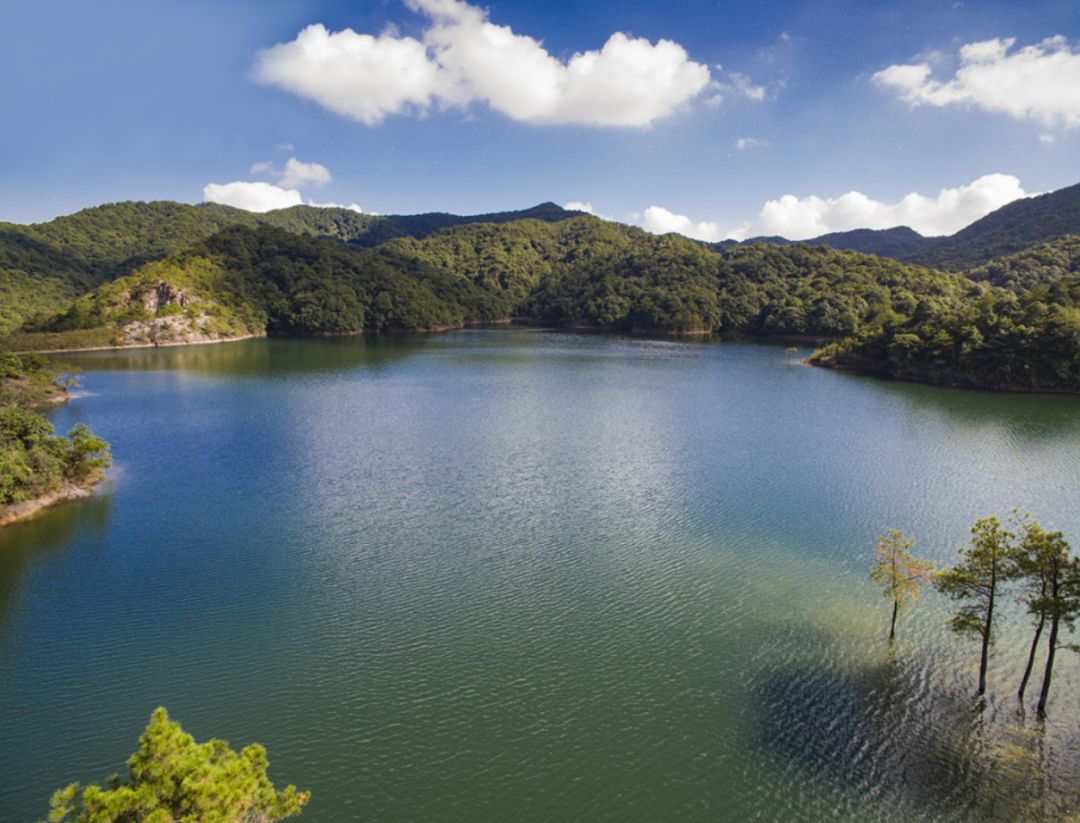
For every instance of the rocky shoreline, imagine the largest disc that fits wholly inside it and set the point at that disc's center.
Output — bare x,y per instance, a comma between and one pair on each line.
24,510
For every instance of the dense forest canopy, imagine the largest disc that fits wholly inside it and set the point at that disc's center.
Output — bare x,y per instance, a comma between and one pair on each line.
165,272
33,461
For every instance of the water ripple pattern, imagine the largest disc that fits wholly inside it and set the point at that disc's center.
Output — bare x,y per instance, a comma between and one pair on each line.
526,575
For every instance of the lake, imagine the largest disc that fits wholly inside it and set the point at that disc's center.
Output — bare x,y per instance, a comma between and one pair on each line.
523,575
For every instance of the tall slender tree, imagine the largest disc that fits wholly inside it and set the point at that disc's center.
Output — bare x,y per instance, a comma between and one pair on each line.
898,572
1062,605
986,562
1035,559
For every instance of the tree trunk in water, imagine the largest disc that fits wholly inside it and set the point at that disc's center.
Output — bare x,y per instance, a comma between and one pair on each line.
986,641
1054,621
892,626
1031,656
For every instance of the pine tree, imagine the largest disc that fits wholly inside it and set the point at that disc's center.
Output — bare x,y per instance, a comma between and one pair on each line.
173,779
986,562
899,574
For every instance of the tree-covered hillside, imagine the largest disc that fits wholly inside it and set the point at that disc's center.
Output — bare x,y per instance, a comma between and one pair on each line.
1012,228
33,461
580,272
1046,263
1010,323
44,266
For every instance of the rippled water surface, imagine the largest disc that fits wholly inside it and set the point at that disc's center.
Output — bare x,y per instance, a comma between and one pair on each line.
522,575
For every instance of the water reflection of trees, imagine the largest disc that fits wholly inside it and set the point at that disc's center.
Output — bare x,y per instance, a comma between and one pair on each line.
50,532
895,732
1025,415
258,358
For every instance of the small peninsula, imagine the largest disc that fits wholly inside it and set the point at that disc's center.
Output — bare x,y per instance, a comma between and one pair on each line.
37,468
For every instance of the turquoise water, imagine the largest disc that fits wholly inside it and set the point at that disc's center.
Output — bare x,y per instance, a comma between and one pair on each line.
523,575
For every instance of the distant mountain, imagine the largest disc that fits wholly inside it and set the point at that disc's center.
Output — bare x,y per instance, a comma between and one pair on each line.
899,243
1012,323
1012,228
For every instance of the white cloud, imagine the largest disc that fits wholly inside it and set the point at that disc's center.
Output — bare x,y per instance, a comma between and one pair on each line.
262,168
355,75
259,197
744,143
351,206
298,174
578,205
1039,82
799,218
659,220
729,83
262,197
464,58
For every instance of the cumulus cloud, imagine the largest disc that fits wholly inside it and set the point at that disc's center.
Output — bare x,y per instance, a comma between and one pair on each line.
659,220
303,174
1039,82
799,218
263,197
465,58
355,75
578,205
259,197
350,206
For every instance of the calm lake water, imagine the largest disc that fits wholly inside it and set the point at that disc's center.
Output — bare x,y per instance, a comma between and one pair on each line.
522,575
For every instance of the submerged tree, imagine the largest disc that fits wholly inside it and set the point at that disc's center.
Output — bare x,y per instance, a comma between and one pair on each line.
1036,558
986,562
898,572
173,779
1062,607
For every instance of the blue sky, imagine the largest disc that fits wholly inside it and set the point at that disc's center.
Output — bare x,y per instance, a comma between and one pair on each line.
712,118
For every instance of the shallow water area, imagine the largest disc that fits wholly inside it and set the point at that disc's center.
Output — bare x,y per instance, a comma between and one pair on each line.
522,574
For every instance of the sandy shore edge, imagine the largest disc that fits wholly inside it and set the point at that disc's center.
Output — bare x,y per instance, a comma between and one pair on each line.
26,509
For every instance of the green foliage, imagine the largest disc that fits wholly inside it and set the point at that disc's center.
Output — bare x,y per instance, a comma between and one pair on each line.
45,266
988,561
899,573
993,339
1014,323
1044,264
173,779
33,462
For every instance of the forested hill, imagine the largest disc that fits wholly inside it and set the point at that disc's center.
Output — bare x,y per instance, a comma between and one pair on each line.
44,266
581,272
1011,323
1012,228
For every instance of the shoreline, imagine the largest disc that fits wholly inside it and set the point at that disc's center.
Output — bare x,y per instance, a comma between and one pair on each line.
142,345
883,374
26,509
830,364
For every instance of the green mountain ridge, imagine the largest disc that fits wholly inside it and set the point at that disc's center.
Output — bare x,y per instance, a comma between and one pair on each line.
313,271
44,266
